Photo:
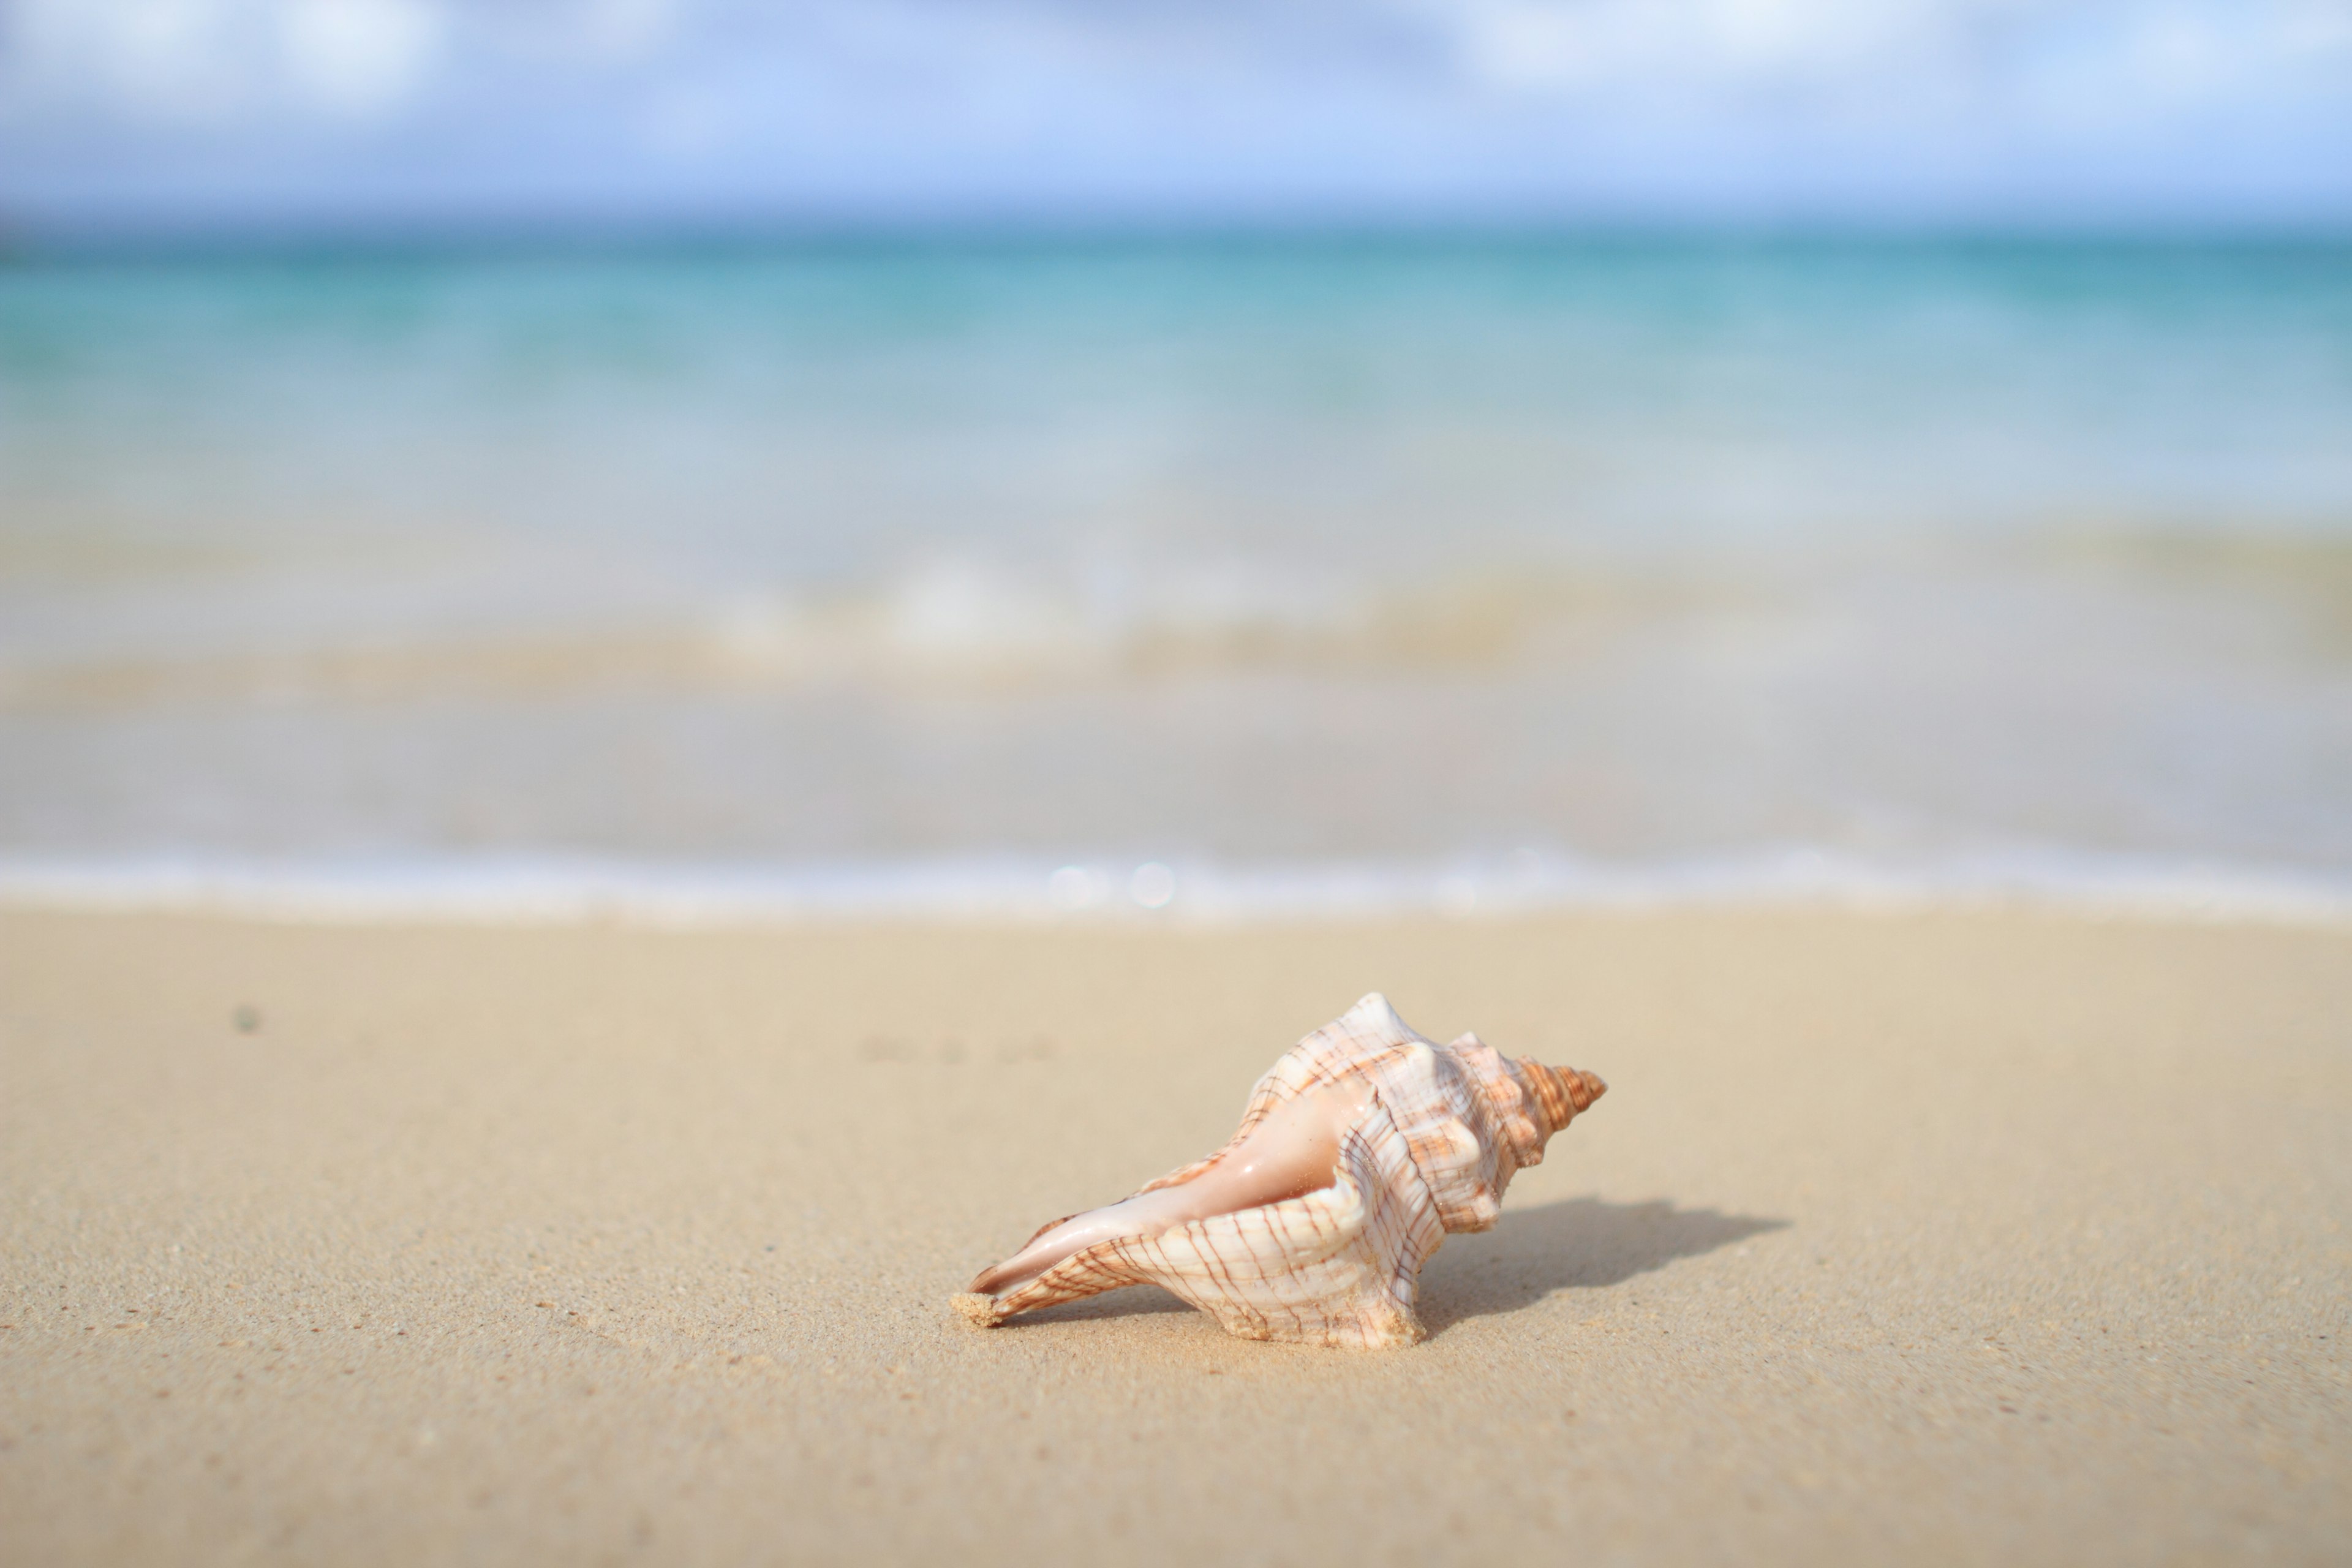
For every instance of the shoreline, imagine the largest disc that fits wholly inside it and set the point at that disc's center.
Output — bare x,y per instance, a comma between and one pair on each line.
572,888
1957,1236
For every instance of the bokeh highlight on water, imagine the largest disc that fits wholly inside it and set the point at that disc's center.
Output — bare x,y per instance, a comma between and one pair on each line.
1308,573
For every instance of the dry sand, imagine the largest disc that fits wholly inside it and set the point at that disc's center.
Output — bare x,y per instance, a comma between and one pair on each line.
1969,1238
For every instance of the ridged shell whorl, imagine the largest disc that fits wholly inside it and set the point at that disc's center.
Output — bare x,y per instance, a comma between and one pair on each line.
1360,1149
1469,1118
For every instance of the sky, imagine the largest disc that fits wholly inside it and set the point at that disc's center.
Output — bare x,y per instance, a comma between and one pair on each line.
172,113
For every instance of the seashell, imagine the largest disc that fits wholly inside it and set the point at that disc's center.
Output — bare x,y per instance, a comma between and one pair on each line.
1361,1148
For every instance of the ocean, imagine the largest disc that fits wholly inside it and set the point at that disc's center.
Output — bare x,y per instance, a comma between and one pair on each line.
1166,577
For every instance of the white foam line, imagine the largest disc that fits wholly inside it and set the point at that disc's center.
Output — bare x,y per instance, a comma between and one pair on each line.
558,890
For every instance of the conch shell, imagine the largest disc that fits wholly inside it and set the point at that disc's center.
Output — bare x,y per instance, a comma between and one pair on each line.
1361,1148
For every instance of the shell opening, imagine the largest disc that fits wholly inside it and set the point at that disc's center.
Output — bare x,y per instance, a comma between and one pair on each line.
1293,1151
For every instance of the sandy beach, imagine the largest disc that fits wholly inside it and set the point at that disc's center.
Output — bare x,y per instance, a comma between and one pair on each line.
1968,1238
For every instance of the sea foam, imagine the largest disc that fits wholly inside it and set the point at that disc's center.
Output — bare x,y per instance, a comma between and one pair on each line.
516,889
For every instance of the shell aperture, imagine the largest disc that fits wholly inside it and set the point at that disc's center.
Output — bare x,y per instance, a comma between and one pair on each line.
1294,1152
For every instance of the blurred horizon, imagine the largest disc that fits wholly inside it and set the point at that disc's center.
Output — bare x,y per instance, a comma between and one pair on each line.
521,237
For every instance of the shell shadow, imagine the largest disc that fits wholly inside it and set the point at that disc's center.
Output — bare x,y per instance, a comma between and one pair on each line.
1576,1244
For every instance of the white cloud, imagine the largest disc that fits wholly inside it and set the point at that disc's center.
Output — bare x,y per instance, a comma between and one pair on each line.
631,29
171,60
2132,53
166,63
358,57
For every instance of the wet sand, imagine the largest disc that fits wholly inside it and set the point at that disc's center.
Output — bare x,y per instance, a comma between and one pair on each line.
1991,1237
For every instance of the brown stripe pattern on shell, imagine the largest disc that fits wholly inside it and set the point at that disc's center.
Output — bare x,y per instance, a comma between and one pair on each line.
1433,1150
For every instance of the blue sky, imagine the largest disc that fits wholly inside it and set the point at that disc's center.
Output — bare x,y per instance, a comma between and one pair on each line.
273,111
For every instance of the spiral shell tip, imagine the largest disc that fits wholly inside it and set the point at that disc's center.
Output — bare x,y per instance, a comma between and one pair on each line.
1563,1092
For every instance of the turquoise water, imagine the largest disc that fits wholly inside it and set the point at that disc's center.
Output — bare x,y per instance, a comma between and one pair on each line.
1463,556
1546,392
